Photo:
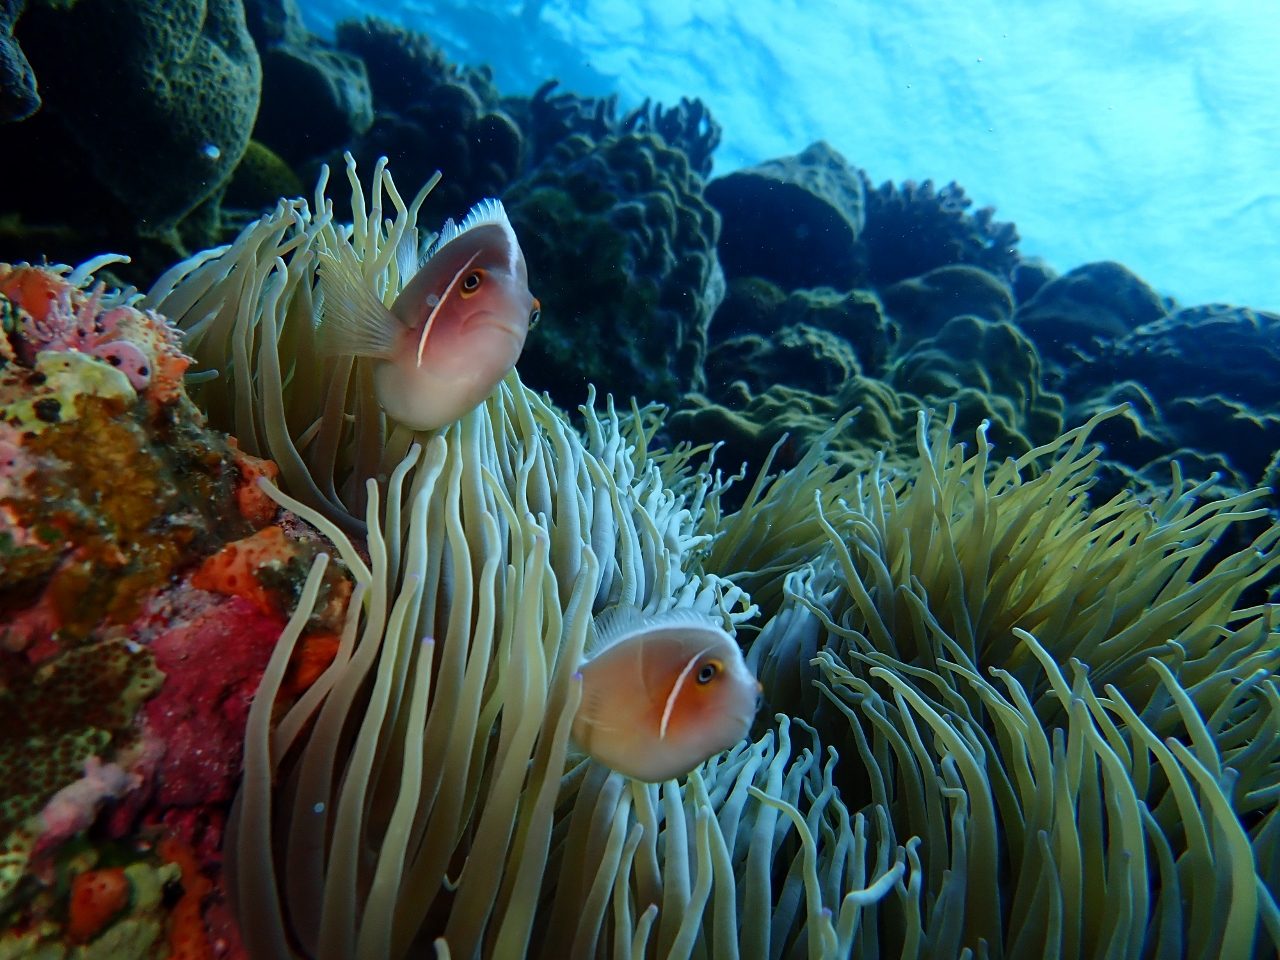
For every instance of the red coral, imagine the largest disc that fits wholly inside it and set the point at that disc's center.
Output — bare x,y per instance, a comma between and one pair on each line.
213,664
97,897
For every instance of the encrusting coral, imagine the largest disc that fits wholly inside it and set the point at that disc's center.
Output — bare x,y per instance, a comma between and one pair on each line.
130,643
1031,719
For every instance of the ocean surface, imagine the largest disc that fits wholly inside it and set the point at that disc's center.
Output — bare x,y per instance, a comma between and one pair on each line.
1143,132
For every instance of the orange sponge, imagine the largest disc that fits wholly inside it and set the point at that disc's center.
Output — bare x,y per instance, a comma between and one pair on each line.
97,897
233,570
188,939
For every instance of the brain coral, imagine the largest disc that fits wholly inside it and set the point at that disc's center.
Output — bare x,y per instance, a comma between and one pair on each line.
621,251
185,73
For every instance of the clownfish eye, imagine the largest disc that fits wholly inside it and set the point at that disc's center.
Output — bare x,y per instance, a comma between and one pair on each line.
471,282
707,672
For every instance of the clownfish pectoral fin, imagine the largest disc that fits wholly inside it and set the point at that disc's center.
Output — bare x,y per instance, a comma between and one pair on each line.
409,259
354,321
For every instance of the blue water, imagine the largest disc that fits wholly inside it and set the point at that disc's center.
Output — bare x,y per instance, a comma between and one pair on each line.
1143,131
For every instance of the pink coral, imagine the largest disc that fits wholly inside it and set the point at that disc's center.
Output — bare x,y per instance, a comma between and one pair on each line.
55,314
74,807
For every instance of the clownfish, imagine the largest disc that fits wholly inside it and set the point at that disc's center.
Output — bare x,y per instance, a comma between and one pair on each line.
661,693
454,331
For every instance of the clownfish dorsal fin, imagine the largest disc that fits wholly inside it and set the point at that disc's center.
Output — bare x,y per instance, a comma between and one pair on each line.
353,319
623,622
487,212
448,232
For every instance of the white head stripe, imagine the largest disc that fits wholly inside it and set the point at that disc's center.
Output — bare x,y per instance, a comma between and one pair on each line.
431,317
675,690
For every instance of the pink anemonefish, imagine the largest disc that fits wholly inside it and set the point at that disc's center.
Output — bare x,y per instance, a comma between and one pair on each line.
662,692
454,331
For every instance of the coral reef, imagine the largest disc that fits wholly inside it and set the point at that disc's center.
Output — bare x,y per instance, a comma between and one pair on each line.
622,246
19,98
756,310
147,111
88,373
187,75
551,116
260,180
921,306
306,690
776,424
795,221
315,100
431,114
1080,311
914,228
1205,376
126,664
989,371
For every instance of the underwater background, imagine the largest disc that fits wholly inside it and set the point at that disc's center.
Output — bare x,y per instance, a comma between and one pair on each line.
932,355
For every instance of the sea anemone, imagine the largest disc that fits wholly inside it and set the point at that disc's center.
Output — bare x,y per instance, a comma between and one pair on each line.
422,789
1059,732
1060,703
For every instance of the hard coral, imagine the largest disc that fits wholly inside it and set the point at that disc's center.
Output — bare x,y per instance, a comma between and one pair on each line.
913,228
185,73
622,246
57,717
793,220
1074,317
550,117
430,113
18,96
